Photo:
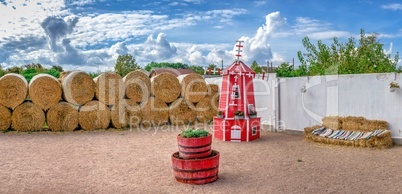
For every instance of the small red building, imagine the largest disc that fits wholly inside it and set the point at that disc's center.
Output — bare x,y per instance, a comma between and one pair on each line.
237,95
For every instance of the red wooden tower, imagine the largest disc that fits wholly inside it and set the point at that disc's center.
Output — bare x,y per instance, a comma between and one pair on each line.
237,96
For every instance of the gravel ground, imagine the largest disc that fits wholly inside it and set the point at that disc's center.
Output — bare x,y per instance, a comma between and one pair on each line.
138,161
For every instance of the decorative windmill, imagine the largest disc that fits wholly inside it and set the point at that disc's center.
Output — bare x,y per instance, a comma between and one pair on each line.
237,103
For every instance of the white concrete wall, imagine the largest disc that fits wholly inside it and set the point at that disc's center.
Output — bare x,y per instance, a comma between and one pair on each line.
364,95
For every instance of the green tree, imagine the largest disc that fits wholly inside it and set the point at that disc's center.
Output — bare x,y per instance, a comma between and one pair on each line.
125,64
366,56
255,67
197,69
154,64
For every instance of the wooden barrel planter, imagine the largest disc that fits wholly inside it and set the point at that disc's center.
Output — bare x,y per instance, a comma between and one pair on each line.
191,148
196,171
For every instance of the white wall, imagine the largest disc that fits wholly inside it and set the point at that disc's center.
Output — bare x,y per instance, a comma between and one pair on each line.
364,95
280,102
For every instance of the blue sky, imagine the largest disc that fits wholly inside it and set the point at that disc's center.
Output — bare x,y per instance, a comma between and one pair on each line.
90,34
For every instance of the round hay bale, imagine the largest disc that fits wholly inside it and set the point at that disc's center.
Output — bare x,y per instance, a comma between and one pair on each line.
28,117
165,87
63,75
133,111
5,118
62,117
109,88
78,88
118,115
180,113
206,109
212,89
13,90
193,87
137,85
94,115
45,91
154,112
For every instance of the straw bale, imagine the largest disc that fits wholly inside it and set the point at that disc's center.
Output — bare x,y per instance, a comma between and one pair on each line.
154,112
352,123
206,109
370,125
13,90
78,88
137,85
193,87
165,87
125,114
133,111
63,75
28,117
109,88
332,122
94,115
62,117
5,118
180,113
45,91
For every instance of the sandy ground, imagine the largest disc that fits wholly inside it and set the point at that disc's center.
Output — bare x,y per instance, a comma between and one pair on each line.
116,161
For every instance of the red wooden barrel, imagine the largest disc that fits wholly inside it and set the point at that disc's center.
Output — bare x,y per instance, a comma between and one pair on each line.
196,171
190,148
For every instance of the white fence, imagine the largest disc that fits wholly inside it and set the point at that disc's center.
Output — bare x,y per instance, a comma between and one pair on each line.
281,103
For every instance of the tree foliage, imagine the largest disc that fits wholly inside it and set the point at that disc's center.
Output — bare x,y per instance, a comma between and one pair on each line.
125,64
154,64
365,56
255,67
197,69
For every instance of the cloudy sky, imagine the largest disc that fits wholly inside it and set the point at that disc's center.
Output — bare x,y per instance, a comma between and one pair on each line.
90,34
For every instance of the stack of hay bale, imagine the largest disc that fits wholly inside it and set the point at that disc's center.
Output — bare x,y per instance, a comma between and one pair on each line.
76,101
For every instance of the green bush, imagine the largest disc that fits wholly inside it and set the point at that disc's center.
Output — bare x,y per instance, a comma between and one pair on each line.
193,133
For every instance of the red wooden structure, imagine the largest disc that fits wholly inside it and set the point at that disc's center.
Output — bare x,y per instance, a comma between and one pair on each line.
237,95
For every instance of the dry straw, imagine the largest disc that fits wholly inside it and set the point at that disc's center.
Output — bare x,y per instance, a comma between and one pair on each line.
13,90
5,118
332,122
78,88
94,115
109,88
193,87
165,87
206,109
133,111
137,85
62,117
352,123
361,124
45,91
154,112
28,117
180,113
63,75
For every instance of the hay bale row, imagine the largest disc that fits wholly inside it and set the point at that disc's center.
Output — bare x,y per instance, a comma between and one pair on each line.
94,115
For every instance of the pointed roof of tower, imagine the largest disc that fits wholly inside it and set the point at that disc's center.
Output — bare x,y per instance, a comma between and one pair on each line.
238,67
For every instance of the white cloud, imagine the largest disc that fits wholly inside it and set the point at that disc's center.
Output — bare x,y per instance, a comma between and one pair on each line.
394,7
257,47
259,3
